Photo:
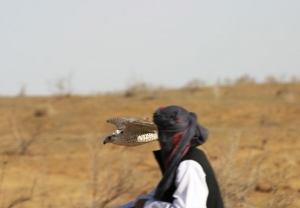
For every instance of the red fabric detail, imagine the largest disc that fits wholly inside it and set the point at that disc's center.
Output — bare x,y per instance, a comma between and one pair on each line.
176,138
175,141
186,149
178,120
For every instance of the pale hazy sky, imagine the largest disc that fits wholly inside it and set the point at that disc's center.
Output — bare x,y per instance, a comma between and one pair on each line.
106,45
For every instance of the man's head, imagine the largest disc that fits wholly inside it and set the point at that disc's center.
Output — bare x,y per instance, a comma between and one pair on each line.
174,120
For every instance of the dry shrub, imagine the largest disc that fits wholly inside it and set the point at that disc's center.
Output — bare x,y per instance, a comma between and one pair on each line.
285,94
22,92
43,110
62,87
236,180
278,197
136,89
245,80
143,90
194,85
23,137
17,198
239,179
295,80
107,181
216,91
272,80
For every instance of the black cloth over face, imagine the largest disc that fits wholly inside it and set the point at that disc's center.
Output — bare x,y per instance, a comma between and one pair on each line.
178,130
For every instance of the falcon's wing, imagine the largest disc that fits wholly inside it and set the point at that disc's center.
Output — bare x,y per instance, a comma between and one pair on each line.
120,122
139,128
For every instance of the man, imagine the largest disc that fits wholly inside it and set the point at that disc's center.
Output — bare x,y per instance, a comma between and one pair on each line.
188,179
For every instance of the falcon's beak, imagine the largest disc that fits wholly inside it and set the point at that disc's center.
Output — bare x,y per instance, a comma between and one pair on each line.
107,140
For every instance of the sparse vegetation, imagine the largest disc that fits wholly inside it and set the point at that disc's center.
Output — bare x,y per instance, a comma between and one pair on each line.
23,139
245,80
99,190
238,181
20,198
253,146
62,87
195,85
135,89
22,92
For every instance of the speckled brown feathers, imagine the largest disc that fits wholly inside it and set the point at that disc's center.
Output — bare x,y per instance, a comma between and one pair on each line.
131,131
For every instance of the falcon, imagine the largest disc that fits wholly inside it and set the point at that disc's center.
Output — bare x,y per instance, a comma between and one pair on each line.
131,131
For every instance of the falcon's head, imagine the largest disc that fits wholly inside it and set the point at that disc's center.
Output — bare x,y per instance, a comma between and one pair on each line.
108,140
112,138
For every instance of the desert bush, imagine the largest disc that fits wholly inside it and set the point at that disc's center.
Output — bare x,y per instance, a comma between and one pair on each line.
106,182
43,110
136,88
216,91
62,87
194,85
143,90
295,80
284,93
22,141
238,182
277,198
22,91
271,80
244,80
14,200
226,82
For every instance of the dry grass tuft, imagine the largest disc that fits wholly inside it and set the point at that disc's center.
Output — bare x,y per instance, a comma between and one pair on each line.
107,181
20,197
236,180
240,180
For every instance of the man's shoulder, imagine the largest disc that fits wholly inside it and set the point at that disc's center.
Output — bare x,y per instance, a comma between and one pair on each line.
195,154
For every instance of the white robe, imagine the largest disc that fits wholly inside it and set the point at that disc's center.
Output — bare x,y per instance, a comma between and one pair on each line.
191,189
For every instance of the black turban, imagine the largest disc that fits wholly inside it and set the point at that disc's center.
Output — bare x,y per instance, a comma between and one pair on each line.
178,131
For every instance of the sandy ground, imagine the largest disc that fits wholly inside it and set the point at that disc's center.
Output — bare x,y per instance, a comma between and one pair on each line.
253,146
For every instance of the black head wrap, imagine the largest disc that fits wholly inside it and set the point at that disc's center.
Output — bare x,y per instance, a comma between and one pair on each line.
178,130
